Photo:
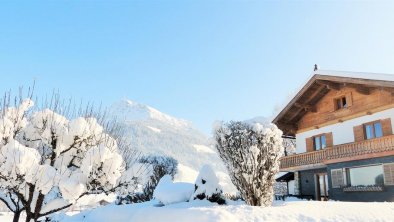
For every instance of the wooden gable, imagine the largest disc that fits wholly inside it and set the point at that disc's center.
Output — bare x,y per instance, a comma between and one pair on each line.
314,106
357,104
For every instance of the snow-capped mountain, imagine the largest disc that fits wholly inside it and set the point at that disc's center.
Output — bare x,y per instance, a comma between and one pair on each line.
153,132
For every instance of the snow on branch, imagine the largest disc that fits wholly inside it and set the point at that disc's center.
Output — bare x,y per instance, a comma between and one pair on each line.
48,161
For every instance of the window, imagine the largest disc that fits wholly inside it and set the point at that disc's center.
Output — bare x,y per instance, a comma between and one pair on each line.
319,142
366,176
337,178
341,103
373,130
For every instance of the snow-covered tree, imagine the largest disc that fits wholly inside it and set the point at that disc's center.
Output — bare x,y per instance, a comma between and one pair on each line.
250,152
289,145
207,186
48,162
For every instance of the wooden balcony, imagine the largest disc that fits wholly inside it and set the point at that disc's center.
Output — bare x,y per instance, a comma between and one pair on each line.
378,147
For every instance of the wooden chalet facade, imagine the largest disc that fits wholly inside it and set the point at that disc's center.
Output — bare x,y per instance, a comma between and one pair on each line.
343,124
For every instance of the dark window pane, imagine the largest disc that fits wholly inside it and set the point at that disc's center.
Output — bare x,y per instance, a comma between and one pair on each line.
364,176
317,143
378,129
368,132
344,103
323,142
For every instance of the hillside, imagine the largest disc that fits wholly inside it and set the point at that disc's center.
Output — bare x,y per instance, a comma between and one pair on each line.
153,132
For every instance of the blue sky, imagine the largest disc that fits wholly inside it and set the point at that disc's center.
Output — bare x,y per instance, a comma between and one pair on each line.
198,60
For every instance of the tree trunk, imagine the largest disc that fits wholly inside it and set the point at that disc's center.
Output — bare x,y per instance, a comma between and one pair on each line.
28,217
37,210
17,215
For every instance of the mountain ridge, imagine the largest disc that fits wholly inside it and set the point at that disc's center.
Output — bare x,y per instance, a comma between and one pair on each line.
153,132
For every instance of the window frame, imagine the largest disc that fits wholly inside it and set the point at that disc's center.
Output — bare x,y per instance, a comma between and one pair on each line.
320,136
340,99
349,181
372,123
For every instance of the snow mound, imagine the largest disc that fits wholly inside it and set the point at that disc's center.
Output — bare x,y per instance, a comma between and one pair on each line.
168,192
207,182
207,186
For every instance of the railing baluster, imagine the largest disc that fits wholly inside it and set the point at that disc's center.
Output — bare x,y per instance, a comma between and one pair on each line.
339,151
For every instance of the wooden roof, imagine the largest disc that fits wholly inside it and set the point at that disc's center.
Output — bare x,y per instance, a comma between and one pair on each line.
318,86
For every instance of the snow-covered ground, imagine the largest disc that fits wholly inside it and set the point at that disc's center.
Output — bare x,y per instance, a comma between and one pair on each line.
201,211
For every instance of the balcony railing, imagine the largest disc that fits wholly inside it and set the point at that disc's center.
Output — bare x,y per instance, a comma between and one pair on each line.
340,153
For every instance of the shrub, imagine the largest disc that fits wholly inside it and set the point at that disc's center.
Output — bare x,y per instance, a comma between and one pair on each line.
250,152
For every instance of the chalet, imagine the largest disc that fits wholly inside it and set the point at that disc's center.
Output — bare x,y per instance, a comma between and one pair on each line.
343,125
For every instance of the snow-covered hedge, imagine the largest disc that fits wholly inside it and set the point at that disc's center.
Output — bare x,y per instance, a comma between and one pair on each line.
250,151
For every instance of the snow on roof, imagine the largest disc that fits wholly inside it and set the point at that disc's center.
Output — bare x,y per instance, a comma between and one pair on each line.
356,75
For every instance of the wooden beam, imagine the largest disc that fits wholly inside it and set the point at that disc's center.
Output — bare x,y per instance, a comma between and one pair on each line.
306,107
292,129
315,93
295,114
363,90
329,85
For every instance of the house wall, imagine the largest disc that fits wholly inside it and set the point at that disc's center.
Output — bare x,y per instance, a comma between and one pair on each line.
290,187
342,132
338,194
307,181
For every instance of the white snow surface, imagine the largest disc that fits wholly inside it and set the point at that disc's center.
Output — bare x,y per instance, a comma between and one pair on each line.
154,129
204,211
168,192
359,75
203,149
131,110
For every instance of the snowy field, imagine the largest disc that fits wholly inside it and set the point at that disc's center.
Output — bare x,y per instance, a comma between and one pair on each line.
201,211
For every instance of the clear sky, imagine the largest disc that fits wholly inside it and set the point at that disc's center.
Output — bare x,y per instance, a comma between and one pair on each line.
197,60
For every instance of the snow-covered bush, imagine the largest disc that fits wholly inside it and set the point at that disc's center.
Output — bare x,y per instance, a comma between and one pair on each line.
161,165
207,186
168,192
158,167
137,193
250,152
48,162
